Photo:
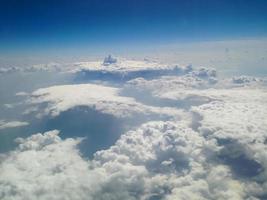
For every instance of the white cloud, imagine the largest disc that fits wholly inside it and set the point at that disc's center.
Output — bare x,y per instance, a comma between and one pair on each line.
110,66
123,69
49,67
5,70
165,160
40,169
237,119
159,86
12,124
233,112
101,98
121,65
173,90
22,94
214,149
237,110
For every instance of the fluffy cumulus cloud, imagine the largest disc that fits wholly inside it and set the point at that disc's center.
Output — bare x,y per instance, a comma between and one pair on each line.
160,160
238,122
40,169
212,145
241,110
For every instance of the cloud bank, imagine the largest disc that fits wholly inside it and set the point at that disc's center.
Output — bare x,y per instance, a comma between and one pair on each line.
159,160
208,140
104,99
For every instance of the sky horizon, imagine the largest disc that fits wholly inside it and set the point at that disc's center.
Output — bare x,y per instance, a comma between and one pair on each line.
227,35
40,27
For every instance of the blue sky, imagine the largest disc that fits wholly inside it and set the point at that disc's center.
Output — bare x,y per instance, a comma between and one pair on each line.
30,26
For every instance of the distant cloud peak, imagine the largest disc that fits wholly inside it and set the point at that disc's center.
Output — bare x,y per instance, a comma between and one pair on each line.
109,60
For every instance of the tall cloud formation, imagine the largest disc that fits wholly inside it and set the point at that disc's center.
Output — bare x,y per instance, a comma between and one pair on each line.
159,160
211,145
151,162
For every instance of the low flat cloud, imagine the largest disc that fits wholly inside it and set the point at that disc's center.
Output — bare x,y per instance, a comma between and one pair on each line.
104,99
12,124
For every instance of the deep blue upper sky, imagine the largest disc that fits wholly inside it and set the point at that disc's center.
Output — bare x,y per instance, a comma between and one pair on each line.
45,24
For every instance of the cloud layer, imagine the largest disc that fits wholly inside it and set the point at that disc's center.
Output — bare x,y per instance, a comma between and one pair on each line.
198,137
159,160
101,98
